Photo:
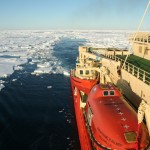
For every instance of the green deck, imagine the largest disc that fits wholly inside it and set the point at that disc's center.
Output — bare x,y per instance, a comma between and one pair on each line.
139,62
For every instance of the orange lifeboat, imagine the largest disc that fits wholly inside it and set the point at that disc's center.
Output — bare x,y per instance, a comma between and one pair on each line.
111,121
104,119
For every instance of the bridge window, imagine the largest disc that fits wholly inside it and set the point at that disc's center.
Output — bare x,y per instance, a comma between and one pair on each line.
112,93
87,72
109,93
81,71
145,40
141,39
105,93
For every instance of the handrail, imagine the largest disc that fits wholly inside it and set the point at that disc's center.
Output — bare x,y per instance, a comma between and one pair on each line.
132,69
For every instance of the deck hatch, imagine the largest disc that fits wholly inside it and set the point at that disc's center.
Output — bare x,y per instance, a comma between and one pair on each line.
130,137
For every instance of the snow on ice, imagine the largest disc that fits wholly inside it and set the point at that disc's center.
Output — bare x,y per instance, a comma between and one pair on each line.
18,46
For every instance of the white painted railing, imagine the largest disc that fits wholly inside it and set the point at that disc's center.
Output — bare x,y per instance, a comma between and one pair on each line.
132,69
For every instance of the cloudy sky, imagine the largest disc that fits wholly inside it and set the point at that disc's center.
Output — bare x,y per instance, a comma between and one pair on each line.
73,14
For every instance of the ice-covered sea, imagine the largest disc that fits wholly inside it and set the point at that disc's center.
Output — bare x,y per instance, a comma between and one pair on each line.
36,107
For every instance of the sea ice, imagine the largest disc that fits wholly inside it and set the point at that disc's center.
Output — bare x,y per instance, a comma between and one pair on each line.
44,65
66,73
1,81
18,46
14,80
49,87
18,68
1,86
42,70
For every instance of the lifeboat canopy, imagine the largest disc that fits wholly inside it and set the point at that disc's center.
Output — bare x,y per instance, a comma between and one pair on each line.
112,122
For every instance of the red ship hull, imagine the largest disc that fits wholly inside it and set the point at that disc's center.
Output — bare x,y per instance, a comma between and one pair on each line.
84,85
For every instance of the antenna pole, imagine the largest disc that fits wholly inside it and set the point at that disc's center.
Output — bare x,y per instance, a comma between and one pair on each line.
141,22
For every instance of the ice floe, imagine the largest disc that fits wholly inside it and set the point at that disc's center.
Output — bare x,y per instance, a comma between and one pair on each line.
18,46
66,73
1,81
1,86
49,87
44,65
18,68
14,80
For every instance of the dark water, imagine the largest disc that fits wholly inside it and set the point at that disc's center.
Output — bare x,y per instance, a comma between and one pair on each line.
34,117
7,56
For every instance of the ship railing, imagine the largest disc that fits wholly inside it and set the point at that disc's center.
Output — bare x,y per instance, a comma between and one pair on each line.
132,69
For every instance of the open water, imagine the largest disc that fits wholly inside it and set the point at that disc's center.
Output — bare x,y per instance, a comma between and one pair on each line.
37,112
